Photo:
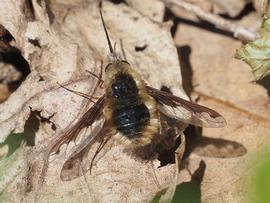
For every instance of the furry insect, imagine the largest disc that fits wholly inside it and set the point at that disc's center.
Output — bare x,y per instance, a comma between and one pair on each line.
131,110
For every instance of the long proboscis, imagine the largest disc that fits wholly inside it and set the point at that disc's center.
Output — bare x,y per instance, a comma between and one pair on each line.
107,35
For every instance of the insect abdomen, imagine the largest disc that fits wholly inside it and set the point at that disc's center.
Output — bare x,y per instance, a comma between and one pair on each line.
131,120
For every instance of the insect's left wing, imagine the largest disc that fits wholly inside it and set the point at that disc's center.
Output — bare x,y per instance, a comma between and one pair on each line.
186,111
92,117
75,165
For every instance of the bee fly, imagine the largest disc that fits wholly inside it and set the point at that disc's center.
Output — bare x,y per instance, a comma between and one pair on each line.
131,109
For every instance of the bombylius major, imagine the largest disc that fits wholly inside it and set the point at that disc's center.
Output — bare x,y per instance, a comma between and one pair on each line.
131,110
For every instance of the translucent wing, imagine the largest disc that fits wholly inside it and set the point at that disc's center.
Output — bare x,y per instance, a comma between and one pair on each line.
78,162
89,118
186,111
87,154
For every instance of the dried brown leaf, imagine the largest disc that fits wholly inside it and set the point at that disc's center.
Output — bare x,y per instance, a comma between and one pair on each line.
224,84
60,41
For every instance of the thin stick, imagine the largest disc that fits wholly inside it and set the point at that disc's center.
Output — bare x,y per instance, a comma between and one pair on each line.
239,32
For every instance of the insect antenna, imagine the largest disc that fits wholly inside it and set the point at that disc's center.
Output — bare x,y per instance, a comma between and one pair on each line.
106,32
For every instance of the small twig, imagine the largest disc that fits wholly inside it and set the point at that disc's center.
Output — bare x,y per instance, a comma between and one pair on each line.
239,32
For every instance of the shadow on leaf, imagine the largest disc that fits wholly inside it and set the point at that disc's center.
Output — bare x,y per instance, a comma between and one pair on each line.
211,147
265,82
187,192
15,140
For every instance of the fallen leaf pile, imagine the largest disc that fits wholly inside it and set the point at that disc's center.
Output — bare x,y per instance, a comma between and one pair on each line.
58,42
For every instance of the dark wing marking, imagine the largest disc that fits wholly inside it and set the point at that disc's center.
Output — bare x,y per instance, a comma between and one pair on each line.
186,111
93,114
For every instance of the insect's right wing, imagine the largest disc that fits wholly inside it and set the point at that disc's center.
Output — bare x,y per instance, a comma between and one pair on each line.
186,111
93,118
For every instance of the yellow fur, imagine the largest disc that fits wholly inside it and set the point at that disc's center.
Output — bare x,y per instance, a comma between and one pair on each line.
153,127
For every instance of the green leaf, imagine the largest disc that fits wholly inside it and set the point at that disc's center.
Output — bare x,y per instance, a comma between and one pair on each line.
260,188
10,167
257,53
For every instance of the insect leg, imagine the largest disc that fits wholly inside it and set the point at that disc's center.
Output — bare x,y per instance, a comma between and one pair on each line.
100,147
155,179
99,77
164,131
90,98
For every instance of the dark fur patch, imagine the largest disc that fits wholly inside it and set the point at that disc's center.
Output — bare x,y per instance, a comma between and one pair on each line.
130,115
